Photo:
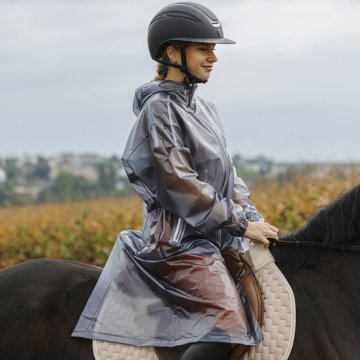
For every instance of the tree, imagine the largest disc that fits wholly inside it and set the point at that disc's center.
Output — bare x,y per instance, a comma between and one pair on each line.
107,177
41,169
69,187
5,195
11,168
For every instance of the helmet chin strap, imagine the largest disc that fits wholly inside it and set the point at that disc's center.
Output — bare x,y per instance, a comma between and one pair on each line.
190,79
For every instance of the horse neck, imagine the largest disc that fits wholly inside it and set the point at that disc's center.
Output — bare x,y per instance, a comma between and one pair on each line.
292,259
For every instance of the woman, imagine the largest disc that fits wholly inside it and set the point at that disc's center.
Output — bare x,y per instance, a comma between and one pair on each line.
168,286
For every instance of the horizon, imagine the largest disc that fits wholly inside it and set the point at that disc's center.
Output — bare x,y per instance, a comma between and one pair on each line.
246,158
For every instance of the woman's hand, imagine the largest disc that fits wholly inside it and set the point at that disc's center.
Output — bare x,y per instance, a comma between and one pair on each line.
260,231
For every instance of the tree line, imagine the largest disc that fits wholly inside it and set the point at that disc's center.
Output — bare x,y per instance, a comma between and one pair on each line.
64,177
39,181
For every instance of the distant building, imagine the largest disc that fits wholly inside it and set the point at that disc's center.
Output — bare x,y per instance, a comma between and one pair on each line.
278,170
88,173
2,175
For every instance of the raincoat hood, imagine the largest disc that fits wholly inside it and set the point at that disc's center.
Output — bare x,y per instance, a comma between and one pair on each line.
145,91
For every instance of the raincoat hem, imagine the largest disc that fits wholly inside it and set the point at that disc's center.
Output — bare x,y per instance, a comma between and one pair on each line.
166,343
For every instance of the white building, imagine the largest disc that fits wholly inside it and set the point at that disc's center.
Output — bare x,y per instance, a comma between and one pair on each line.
2,175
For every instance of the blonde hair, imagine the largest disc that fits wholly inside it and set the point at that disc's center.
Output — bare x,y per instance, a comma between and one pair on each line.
162,69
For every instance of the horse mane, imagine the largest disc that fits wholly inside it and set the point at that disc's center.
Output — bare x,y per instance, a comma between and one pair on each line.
337,223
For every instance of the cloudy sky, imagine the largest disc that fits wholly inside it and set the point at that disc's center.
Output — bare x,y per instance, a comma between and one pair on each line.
289,89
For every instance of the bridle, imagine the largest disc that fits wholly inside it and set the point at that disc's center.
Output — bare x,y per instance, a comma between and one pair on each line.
298,243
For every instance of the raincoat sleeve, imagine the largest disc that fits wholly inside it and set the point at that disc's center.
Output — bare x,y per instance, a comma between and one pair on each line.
241,196
178,188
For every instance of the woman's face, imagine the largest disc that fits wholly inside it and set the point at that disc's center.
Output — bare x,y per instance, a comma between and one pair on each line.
200,60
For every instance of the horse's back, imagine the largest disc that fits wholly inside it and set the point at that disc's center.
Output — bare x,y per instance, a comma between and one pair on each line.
40,303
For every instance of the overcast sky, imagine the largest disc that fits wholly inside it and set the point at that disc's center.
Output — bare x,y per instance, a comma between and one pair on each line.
289,89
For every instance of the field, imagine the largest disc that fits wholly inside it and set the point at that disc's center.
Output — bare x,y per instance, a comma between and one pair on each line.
86,231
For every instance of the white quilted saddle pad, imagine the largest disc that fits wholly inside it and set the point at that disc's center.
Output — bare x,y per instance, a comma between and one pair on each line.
280,317
279,327
104,350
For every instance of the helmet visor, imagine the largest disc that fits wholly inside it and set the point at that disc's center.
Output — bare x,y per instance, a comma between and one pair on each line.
204,40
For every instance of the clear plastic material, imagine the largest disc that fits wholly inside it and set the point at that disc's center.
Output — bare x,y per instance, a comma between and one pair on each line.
168,285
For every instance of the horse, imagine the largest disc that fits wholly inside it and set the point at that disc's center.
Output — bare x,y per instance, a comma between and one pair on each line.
41,300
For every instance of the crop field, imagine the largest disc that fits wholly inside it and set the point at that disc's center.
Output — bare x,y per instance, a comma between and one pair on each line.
86,231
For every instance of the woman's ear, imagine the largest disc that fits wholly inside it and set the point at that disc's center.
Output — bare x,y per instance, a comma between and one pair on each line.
173,54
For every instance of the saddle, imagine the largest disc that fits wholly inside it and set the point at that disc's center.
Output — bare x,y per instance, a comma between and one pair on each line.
273,305
241,272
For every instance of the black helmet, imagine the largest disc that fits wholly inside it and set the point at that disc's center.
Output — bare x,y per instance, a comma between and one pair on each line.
183,22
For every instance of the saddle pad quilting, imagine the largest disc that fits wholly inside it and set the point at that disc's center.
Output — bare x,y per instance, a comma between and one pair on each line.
280,314
279,328
104,350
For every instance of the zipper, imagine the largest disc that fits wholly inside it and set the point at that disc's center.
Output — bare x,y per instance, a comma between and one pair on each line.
190,92
223,151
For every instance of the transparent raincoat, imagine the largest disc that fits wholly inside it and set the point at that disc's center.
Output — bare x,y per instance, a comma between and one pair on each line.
168,284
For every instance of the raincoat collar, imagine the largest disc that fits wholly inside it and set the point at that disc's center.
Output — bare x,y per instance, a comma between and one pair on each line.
145,91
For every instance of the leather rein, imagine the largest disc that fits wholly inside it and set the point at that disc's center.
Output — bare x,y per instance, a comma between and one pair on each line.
342,247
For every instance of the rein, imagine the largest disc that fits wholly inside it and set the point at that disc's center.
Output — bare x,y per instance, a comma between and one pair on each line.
342,247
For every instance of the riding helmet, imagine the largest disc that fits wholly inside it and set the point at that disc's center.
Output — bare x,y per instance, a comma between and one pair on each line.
180,23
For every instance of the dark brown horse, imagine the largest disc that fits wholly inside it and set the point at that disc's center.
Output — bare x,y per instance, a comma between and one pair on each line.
41,300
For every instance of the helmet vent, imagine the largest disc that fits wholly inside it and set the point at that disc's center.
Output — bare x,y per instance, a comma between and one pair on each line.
203,9
183,15
156,18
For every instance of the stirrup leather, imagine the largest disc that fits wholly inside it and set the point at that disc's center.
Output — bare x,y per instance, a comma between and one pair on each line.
242,272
